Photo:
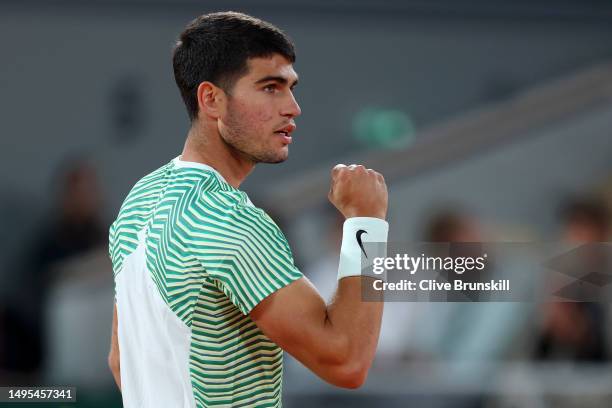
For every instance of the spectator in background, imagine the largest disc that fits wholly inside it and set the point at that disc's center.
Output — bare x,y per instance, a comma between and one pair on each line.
75,226
452,226
78,226
468,331
576,330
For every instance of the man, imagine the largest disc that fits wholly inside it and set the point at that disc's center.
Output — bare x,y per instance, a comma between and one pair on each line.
207,294
575,331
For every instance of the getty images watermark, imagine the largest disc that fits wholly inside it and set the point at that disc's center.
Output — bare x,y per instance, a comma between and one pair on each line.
487,272
412,264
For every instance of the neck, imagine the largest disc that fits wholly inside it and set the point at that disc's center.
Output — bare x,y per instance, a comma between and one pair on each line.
207,147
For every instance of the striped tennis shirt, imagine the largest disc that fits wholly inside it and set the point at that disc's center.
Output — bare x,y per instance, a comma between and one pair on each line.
192,257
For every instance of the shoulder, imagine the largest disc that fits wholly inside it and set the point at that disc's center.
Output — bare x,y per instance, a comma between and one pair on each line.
229,215
231,206
137,204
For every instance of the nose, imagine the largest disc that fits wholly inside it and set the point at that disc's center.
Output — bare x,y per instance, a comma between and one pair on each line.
291,109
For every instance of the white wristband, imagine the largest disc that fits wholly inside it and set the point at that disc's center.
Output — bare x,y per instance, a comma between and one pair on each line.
356,232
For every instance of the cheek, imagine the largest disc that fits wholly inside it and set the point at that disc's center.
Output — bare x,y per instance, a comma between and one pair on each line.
263,115
258,110
255,116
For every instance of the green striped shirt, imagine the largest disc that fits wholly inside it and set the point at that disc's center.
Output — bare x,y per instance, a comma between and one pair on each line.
212,257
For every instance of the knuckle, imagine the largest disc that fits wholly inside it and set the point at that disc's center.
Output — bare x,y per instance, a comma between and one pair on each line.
338,168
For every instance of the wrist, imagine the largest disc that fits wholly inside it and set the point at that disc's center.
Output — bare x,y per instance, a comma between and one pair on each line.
365,214
356,233
379,216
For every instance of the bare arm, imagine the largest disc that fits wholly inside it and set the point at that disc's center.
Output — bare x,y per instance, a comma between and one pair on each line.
113,355
336,341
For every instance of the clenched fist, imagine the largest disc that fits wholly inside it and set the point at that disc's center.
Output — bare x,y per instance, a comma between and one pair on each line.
358,192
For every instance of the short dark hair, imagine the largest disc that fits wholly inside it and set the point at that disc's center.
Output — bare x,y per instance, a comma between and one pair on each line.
216,47
443,227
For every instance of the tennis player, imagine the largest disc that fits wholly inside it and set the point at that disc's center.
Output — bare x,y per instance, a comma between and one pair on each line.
207,294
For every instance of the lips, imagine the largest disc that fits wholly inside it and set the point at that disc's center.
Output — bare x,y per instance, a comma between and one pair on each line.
287,130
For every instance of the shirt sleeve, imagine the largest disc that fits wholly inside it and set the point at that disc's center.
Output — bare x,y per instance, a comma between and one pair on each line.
244,253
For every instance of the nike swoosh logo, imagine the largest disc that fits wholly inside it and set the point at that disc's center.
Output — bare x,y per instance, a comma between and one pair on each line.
358,235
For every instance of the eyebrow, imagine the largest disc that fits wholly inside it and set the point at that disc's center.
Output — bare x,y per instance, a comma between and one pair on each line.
274,78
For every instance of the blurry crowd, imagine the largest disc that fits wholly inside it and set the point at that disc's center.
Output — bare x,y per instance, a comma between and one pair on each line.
66,257
470,342
52,254
487,331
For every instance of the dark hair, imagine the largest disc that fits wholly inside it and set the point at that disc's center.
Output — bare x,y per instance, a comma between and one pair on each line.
216,47
443,227
587,210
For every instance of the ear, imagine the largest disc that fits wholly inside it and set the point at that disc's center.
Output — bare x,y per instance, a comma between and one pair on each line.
210,99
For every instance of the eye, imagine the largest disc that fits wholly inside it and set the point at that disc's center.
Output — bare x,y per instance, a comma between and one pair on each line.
269,88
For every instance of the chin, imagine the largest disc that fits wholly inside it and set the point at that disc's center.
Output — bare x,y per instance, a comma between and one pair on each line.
277,160
279,157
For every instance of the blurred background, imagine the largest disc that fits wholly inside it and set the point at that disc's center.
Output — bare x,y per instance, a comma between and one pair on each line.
491,120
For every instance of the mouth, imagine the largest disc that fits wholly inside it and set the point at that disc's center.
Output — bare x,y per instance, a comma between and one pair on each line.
285,132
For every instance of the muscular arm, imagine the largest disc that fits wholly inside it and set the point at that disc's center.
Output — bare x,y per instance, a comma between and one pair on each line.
113,355
336,341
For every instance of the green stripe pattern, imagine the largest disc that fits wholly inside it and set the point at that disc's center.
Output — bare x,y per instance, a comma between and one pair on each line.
213,257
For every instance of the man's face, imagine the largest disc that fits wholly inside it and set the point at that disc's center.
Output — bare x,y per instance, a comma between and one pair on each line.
258,119
577,231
